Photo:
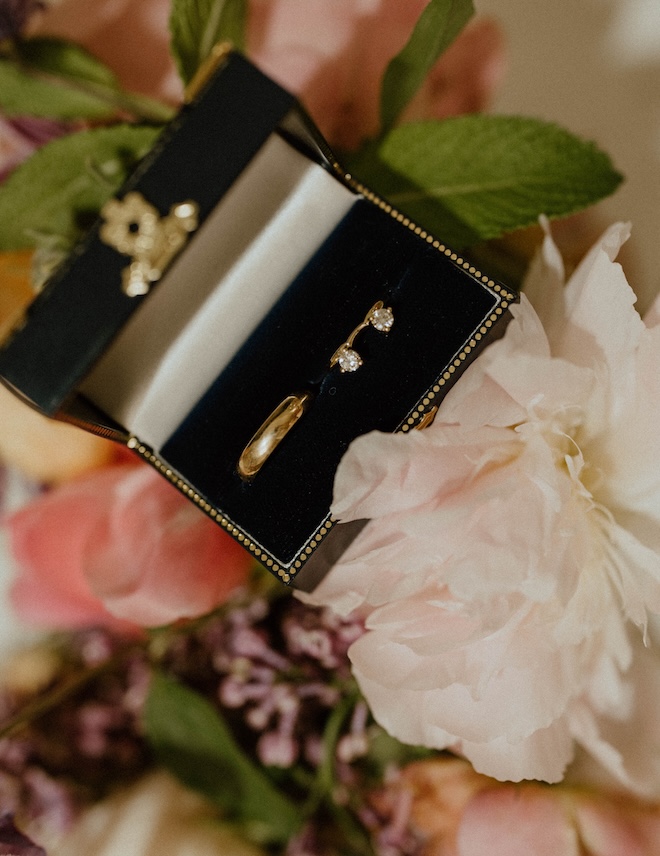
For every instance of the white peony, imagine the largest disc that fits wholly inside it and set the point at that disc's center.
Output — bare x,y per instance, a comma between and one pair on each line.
514,551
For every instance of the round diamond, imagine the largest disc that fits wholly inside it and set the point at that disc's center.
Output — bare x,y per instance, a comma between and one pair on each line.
348,359
382,319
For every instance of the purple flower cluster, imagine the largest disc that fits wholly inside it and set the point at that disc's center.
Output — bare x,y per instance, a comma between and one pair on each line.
83,745
279,674
283,679
277,670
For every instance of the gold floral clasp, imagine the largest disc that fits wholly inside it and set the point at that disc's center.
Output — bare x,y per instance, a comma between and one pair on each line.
135,228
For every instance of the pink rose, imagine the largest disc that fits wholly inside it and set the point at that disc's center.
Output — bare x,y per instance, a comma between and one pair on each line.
513,556
130,36
20,137
120,543
460,813
331,54
14,147
337,67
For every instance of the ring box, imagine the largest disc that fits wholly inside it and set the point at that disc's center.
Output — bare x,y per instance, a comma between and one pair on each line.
221,279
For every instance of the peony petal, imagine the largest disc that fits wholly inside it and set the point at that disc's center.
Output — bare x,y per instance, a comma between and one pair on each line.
385,474
516,822
610,830
621,744
544,284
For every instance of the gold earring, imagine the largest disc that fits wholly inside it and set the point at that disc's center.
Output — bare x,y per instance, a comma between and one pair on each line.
381,318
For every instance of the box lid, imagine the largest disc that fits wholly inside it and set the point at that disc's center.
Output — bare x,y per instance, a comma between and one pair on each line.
224,127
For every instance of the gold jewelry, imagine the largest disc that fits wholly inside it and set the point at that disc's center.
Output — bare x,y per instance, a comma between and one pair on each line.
379,316
135,228
288,412
271,434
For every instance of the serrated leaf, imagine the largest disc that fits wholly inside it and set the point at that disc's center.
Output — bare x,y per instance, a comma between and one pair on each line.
473,178
439,24
191,739
56,79
60,189
198,25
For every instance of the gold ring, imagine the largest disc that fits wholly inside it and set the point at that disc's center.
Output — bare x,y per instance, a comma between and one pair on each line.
271,434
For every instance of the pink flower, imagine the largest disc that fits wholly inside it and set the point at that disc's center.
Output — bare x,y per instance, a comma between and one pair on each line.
514,550
14,147
19,137
461,813
336,67
120,543
130,37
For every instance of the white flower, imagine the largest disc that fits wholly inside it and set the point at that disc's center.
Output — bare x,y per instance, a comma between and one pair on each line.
514,548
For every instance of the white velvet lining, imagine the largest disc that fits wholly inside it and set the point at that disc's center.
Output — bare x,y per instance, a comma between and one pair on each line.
262,233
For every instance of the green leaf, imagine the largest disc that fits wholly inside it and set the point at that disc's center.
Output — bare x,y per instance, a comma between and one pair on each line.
198,25
439,24
61,188
52,79
191,739
473,178
59,80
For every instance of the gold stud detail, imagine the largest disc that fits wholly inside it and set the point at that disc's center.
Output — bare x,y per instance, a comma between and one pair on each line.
135,228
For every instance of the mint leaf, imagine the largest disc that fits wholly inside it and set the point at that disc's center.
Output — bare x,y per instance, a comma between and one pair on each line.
477,177
198,25
60,189
59,80
439,24
53,80
191,739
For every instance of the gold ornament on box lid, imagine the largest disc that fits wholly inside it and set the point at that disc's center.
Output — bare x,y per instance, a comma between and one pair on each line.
135,228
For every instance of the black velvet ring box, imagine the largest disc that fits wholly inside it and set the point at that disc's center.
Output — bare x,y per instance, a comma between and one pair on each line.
221,280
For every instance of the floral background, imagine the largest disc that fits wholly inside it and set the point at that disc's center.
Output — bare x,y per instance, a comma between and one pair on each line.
573,573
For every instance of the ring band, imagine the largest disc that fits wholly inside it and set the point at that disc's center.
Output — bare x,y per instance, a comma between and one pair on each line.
271,434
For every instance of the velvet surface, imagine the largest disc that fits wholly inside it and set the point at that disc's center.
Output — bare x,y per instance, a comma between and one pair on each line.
437,308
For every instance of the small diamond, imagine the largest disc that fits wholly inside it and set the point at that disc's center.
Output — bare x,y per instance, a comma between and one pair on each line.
348,359
382,319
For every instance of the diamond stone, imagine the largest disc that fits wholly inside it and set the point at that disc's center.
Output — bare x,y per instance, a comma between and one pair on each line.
348,359
382,319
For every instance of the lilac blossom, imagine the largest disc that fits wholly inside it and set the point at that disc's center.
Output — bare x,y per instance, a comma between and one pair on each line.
88,742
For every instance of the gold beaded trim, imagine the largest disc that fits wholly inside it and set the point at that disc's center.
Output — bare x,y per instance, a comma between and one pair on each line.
283,571
287,572
505,298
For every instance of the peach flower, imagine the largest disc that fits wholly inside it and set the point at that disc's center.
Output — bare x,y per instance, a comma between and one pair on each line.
514,551
44,450
461,813
331,54
120,543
